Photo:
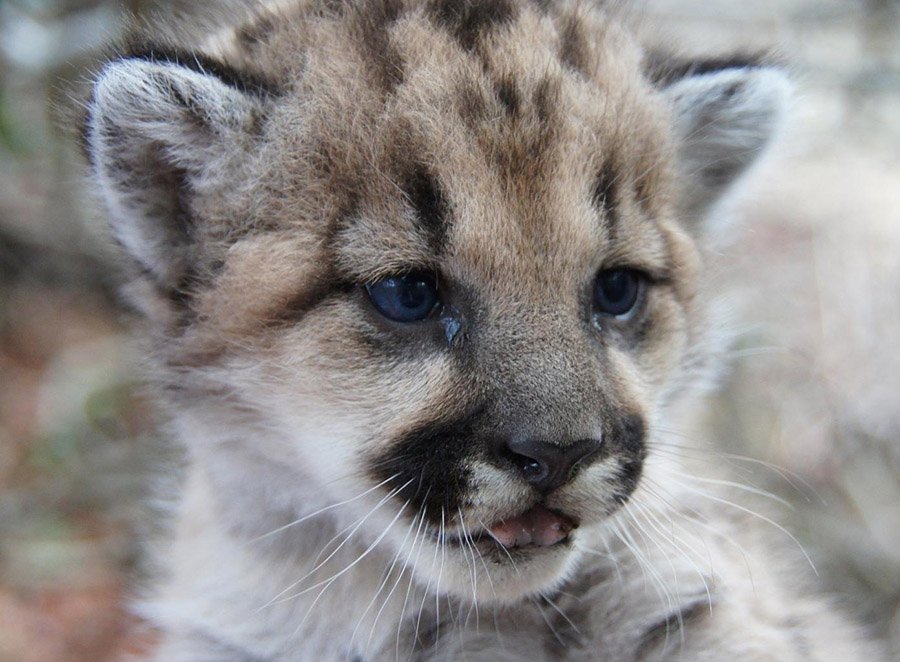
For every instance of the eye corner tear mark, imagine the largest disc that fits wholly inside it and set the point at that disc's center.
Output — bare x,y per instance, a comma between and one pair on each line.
452,321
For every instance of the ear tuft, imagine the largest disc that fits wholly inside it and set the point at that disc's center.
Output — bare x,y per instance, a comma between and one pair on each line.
724,121
156,132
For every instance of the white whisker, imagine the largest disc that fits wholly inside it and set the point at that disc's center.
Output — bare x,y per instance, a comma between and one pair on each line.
322,510
320,564
759,516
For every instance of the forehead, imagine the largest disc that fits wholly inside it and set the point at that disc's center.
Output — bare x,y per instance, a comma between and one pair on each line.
488,135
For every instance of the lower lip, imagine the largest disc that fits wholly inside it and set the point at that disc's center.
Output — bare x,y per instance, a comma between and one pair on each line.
486,544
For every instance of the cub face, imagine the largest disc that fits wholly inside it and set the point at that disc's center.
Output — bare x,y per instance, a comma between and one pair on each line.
433,267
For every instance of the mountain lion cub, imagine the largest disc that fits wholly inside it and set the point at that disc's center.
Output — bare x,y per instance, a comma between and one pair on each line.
425,294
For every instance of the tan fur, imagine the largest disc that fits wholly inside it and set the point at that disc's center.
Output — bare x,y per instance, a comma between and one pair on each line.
514,150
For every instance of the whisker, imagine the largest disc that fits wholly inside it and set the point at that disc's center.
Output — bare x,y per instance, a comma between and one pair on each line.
678,600
677,545
653,572
384,581
697,519
322,510
331,580
353,564
437,591
438,547
319,565
397,582
466,543
799,484
553,630
738,486
760,516
562,613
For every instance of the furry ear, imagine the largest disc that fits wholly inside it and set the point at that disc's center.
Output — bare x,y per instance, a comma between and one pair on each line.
726,114
157,130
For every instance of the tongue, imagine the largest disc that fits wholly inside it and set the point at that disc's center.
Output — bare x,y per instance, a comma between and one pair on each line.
537,526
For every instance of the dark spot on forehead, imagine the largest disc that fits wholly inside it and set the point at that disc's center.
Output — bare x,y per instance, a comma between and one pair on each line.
605,194
524,156
430,204
372,24
467,20
574,48
508,94
380,13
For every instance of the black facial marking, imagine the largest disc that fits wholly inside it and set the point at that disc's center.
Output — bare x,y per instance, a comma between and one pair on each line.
428,465
430,204
639,333
526,159
664,70
605,194
467,20
244,81
629,435
574,50
508,94
383,58
625,438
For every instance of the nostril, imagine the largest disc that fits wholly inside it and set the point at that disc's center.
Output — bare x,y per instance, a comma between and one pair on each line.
533,470
528,458
547,466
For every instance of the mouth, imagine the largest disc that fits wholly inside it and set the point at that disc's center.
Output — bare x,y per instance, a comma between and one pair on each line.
536,527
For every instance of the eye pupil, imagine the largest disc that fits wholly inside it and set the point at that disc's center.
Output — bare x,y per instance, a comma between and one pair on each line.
616,291
413,295
407,298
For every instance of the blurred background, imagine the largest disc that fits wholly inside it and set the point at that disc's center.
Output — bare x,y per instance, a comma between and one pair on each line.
814,388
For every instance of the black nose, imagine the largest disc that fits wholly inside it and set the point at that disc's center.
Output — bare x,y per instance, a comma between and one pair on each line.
548,466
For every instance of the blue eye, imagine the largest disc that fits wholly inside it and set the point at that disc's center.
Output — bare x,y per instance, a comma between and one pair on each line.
616,291
409,298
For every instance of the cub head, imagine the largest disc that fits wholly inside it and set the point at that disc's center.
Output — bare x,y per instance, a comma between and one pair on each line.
434,267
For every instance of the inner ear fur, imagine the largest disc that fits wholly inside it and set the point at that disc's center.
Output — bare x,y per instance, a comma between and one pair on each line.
159,129
726,113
